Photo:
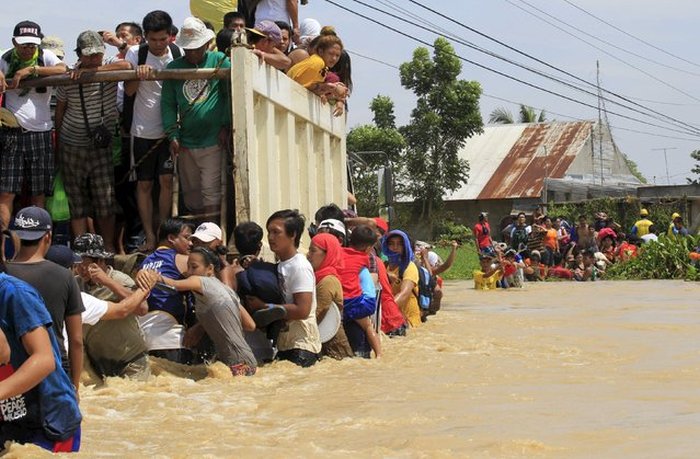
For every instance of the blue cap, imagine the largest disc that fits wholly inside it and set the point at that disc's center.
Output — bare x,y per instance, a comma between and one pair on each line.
62,255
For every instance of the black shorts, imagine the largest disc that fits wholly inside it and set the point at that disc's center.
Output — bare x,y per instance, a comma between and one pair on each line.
156,163
300,357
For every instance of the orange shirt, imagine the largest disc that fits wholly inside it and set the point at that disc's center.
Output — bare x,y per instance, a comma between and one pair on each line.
550,239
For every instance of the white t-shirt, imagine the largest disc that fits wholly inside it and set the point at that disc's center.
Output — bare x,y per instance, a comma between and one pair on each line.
272,10
650,237
33,110
297,276
147,121
95,309
161,331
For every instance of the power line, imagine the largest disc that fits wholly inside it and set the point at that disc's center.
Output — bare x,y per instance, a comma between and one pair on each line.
630,35
355,53
532,85
512,48
599,48
612,45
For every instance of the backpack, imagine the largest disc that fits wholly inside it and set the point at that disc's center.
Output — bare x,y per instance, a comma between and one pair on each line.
127,117
518,236
426,286
262,280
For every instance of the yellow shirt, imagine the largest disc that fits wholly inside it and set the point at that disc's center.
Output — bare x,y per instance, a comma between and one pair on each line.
643,226
411,311
308,72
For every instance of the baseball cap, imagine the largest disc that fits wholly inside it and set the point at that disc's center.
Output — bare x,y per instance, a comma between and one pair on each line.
333,224
483,215
91,245
62,255
382,224
27,33
644,213
535,253
31,223
194,34
55,45
675,215
268,29
207,232
90,43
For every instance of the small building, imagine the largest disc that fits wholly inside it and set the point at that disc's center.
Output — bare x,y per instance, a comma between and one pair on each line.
518,167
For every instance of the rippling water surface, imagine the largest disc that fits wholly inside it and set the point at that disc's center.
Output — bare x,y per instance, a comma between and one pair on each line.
610,369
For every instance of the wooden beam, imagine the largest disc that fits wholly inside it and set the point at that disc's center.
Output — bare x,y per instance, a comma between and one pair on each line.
124,75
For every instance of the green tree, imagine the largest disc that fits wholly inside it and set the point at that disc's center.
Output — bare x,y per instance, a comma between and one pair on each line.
696,169
382,136
446,114
502,115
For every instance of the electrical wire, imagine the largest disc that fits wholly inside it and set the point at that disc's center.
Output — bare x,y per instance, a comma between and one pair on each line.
512,48
669,85
630,35
482,66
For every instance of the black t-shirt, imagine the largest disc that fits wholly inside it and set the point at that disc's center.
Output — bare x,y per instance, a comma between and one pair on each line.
59,290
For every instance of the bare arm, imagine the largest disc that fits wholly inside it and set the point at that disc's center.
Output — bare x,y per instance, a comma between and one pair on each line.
36,368
449,262
276,58
127,306
405,293
36,70
293,11
300,309
247,321
190,284
74,330
5,351
60,112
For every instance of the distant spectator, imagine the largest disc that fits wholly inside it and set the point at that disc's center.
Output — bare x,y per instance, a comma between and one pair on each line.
27,152
520,233
677,227
651,235
196,117
641,226
309,30
482,234
86,115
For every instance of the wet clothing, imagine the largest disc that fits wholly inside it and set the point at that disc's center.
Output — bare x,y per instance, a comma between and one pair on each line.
297,276
164,325
113,347
411,310
328,291
47,413
218,311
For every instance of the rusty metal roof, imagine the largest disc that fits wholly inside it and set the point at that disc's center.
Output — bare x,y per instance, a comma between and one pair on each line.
511,161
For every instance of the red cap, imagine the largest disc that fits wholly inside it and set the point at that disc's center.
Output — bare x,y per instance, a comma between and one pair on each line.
381,224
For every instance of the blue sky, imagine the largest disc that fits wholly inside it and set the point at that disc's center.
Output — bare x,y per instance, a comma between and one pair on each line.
667,25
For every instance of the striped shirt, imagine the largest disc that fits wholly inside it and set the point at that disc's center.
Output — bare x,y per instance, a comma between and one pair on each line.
73,131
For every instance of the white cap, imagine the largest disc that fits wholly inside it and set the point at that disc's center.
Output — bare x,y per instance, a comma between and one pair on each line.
333,224
193,34
207,232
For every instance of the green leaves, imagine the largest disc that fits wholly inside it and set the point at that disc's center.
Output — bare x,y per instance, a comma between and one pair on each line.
667,259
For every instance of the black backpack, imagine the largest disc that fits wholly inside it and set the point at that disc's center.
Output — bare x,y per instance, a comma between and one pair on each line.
518,237
127,117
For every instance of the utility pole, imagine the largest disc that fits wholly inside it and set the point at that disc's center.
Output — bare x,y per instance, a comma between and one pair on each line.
600,121
668,177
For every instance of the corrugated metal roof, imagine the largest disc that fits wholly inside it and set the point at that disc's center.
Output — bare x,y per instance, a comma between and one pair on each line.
511,161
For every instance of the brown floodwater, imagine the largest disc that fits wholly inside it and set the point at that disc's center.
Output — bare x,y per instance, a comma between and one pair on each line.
607,369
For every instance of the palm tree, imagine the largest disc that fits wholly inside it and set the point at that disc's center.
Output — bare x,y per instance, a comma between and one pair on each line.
502,115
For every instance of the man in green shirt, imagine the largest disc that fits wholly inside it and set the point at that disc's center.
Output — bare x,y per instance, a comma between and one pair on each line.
203,110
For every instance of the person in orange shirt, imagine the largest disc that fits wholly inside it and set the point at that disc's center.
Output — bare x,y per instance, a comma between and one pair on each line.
551,243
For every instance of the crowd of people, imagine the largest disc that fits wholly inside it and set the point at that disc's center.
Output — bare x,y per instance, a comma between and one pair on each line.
115,147
547,247
77,303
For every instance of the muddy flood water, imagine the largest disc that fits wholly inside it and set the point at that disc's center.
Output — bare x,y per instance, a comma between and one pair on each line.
607,369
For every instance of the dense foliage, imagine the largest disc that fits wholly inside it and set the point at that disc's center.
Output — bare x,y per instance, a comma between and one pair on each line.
667,259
